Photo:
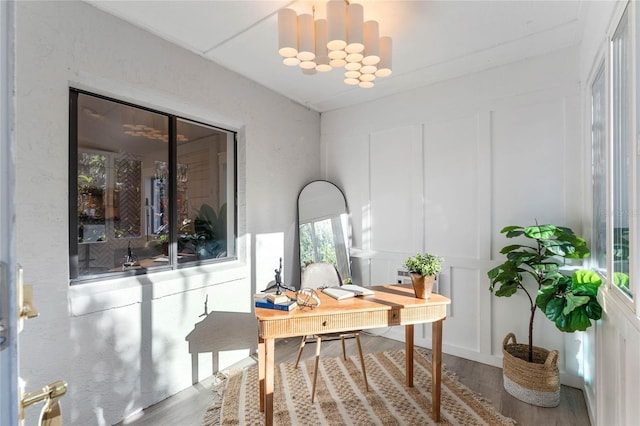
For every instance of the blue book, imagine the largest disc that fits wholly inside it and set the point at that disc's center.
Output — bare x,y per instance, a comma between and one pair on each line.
262,302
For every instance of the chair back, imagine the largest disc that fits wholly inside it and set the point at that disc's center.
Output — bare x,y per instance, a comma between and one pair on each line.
320,275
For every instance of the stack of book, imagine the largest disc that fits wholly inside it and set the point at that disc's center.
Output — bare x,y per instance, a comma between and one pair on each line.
280,302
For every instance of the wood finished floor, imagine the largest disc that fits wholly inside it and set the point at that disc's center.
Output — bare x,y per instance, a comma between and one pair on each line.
188,407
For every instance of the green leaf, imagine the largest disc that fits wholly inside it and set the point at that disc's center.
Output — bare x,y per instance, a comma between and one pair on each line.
510,248
548,268
574,302
545,294
563,323
554,309
540,232
585,282
558,247
578,320
521,256
581,250
506,290
512,231
593,309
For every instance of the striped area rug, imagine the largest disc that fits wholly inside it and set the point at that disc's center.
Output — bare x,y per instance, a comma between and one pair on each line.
341,398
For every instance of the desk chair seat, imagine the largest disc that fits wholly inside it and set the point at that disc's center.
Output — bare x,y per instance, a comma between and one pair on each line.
314,276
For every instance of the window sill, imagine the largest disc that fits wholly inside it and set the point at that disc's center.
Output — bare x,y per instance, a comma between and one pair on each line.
119,292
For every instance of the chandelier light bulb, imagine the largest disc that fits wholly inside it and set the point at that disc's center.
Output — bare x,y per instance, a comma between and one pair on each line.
291,62
322,54
355,28
306,38
368,69
354,57
384,66
353,66
323,67
367,77
307,65
371,43
287,33
337,24
337,63
352,74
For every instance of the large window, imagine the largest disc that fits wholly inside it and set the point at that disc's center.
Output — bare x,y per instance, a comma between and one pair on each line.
149,191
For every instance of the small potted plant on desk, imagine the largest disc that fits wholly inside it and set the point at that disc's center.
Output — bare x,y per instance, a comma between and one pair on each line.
423,268
569,299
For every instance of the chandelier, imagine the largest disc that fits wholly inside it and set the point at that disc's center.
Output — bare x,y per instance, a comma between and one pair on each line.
342,40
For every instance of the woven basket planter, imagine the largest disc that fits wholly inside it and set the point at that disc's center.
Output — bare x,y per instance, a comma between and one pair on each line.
537,382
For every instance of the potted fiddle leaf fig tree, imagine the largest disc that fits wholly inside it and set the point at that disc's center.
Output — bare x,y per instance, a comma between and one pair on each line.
568,298
423,268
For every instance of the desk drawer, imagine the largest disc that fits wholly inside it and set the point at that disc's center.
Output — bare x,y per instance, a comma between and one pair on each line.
300,325
421,314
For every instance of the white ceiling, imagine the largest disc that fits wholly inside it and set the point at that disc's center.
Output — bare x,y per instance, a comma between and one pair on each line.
432,40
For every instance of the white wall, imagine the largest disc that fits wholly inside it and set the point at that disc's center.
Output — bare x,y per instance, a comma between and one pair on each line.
444,168
124,345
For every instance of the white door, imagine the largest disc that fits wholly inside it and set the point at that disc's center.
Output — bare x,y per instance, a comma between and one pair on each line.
8,300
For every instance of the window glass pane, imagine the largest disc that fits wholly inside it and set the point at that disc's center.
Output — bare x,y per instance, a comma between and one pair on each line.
621,74
118,149
205,227
599,170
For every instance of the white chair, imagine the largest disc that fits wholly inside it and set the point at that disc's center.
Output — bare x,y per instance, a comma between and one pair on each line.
314,276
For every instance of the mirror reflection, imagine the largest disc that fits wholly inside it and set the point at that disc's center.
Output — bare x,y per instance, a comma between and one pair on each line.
323,226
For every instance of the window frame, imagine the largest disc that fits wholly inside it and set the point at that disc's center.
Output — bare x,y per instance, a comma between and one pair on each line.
631,303
172,156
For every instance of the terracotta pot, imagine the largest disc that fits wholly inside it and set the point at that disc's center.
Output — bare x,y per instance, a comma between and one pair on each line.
422,285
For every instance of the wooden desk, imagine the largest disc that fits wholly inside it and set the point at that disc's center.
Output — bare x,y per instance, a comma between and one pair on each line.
391,305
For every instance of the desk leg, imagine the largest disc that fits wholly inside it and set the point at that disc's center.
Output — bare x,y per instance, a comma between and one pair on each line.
408,354
261,371
269,349
436,367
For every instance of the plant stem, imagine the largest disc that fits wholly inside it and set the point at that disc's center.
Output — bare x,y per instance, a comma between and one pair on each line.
531,317
533,312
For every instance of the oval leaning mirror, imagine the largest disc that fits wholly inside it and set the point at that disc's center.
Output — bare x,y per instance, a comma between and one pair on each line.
323,227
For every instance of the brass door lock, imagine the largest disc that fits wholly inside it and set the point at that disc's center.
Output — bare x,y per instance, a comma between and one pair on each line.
51,414
26,309
25,298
